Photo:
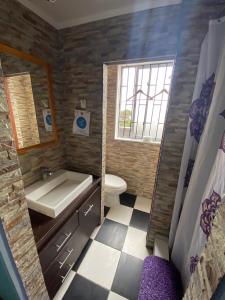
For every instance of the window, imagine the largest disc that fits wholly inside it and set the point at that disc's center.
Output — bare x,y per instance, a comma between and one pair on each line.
143,94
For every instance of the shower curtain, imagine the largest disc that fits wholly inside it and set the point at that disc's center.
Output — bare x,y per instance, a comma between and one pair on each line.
201,184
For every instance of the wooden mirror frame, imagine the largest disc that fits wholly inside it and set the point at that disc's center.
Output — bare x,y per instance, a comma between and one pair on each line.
9,50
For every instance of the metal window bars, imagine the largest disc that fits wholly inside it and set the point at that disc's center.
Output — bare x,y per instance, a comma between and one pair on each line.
143,99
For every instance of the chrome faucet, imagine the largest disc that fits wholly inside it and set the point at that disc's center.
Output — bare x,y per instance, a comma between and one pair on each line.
46,172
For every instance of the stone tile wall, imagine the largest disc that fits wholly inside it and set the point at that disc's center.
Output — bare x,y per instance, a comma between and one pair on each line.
21,29
194,19
211,267
29,33
86,48
78,74
14,212
135,162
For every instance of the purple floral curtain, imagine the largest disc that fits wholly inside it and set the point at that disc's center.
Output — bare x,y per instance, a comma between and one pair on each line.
202,97
201,183
213,197
200,108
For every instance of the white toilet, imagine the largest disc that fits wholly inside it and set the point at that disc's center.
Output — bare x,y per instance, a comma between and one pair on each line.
114,186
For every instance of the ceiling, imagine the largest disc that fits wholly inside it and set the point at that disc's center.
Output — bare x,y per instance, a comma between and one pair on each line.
67,13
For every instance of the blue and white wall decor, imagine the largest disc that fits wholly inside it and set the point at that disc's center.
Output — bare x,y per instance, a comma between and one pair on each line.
47,119
81,122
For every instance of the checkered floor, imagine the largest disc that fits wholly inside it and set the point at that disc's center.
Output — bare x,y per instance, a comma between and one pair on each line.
111,263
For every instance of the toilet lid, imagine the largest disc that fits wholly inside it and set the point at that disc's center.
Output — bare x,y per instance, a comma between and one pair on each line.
114,182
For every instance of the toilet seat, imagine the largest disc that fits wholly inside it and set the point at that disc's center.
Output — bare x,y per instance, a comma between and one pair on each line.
114,184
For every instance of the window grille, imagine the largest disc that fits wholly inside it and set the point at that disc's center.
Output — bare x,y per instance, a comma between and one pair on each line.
142,100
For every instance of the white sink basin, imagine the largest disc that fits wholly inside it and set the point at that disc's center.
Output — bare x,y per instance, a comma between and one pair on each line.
51,196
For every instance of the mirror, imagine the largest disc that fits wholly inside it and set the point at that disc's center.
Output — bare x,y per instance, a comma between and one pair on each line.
28,89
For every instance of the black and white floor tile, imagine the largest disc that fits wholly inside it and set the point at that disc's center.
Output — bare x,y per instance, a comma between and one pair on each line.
103,271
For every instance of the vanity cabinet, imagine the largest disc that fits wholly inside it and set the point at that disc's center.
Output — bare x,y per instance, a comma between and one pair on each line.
60,241
89,213
56,243
61,266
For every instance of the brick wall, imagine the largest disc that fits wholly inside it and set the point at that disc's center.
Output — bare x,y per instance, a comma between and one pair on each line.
135,162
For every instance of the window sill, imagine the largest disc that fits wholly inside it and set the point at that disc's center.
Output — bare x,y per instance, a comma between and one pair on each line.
143,141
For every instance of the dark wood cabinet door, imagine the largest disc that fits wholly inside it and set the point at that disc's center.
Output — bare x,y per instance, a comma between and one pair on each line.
63,263
56,243
89,213
61,252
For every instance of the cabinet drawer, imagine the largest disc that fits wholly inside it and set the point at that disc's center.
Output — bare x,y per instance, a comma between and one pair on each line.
89,213
55,245
63,263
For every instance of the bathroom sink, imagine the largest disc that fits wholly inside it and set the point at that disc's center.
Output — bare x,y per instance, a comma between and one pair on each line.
51,196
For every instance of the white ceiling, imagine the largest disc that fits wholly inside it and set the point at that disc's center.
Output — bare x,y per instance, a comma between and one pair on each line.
67,13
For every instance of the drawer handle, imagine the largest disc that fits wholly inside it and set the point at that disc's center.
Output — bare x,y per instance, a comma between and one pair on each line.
64,277
89,209
67,237
62,263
